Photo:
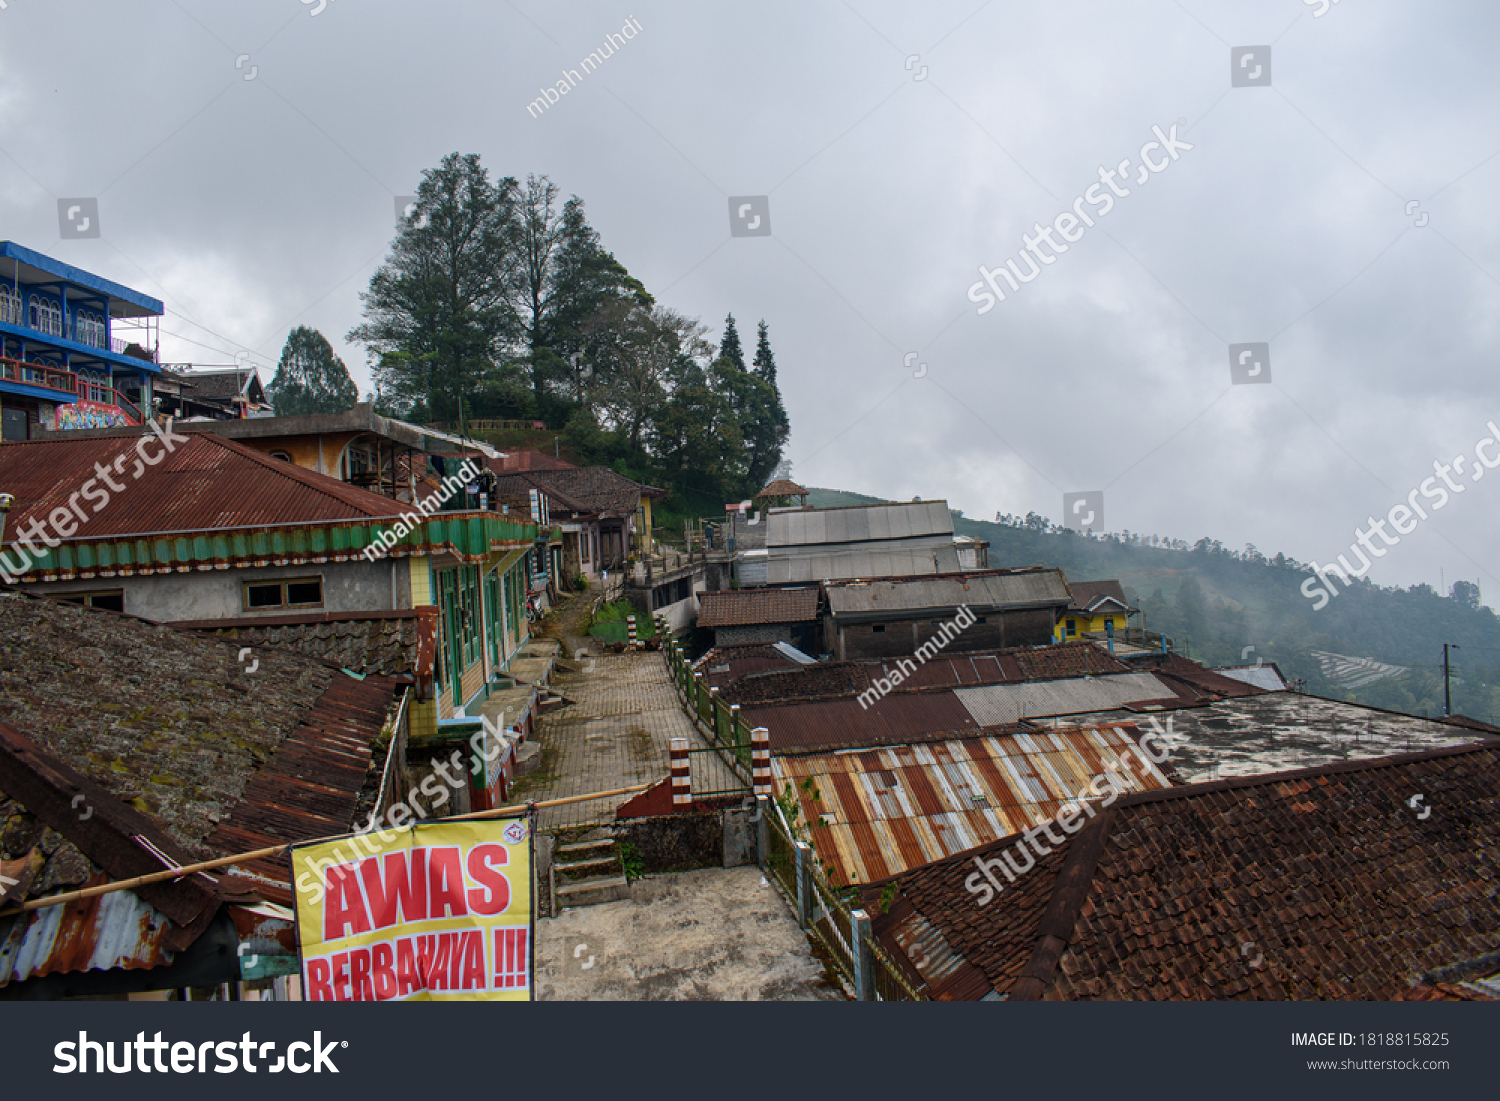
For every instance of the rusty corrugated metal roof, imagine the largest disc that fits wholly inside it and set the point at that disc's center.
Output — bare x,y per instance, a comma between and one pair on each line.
888,810
205,484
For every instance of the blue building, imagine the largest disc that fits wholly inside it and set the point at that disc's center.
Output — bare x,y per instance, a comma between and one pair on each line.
62,363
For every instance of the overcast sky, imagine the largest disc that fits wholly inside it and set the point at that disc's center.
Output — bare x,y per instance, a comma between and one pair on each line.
900,147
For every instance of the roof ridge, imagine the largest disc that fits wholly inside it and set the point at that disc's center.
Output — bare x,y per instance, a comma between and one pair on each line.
325,484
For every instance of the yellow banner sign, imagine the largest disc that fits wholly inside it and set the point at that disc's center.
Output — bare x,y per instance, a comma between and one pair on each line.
436,912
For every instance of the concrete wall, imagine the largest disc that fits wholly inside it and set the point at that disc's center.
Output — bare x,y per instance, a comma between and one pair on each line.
681,842
356,586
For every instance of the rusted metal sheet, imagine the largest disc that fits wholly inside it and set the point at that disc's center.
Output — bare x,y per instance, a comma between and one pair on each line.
107,931
884,811
205,483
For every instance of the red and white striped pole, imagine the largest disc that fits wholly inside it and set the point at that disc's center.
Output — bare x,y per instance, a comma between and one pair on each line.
682,779
760,760
630,623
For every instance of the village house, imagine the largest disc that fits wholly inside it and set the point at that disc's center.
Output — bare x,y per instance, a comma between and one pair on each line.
1098,610
604,518
357,446
214,530
67,357
894,617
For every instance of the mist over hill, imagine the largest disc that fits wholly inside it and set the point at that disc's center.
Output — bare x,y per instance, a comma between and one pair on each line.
1217,603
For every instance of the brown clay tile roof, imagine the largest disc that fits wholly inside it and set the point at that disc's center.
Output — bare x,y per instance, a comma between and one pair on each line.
1321,883
746,607
590,490
527,458
815,725
1087,593
388,643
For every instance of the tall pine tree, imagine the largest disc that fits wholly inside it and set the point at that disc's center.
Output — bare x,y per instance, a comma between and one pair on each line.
729,347
766,427
310,378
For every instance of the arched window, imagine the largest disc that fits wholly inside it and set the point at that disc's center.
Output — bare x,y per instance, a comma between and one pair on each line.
282,455
34,321
10,306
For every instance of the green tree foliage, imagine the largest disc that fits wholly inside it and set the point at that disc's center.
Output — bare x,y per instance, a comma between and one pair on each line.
440,322
310,378
498,300
767,428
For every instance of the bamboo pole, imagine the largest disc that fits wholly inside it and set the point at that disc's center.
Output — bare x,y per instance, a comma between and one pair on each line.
277,850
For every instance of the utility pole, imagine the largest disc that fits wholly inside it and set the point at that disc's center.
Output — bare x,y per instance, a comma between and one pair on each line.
1447,687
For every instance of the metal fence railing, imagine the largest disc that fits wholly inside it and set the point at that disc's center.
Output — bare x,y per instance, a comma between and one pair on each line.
841,931
713,775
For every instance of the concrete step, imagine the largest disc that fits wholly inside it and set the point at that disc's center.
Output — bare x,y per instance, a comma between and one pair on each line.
591,892
597,865
582,850
528,756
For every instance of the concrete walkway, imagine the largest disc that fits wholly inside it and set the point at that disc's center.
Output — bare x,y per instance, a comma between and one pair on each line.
718,934
616,734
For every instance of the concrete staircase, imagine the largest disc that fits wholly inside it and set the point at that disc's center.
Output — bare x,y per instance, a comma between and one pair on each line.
586,873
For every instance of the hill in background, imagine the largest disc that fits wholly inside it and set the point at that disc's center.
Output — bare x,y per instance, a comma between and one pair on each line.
1370,644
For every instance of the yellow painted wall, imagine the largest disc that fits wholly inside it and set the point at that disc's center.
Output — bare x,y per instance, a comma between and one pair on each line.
419,577
304,449
647,543
1087,623
424,717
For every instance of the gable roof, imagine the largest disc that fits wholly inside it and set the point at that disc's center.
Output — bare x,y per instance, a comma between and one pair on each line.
782,487
595,490
528,458
1317,884
865,560
207,482
225,385
1097,596
747,607
958,670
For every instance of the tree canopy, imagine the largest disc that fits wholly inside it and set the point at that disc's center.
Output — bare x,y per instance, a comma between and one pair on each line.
310,378
498,299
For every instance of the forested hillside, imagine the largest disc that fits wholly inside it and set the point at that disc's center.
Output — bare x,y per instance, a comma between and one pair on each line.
1216,603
